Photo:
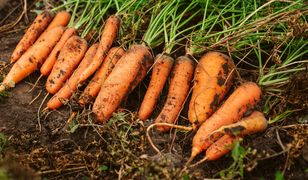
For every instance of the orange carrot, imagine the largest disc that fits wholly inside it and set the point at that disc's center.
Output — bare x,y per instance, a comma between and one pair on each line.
37,27
243,98
52,58
162,67
109,34
181,78
100,76
70,56
62,18
213,77
35,55
71,85
119,82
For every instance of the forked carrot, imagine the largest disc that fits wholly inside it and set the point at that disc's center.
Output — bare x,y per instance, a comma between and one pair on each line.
72,83
160,73
243,98
70,56
119,82
92,89
34,31
34,56
181,78
213,77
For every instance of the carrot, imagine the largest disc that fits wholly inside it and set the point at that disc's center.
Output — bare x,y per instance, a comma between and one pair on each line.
162,67
213,78
62,18
119,82
70,56
52,58
37,27
71,85
100,76
243,98
109,34
181,77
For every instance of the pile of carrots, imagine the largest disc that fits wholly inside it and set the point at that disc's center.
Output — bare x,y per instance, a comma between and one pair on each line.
68,61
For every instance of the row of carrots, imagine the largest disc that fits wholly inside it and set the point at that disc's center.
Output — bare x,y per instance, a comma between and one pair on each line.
67,62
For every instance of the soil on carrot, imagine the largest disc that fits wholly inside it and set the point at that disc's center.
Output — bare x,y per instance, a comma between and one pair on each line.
37,143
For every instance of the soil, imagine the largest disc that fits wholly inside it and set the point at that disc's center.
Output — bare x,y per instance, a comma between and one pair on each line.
45,144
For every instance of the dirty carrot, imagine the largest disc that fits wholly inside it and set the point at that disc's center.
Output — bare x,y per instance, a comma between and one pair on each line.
181,78
118,83
212,80
62,18
72,83
52,58
34,56
160,73
243,98
100,76
70,56
34,31
109,34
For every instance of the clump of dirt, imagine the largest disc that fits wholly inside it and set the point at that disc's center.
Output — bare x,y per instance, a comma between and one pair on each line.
297,90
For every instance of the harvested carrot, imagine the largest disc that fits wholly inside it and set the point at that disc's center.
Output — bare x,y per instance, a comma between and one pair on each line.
70,56
162,67
109,34
100,76
72,83
52,58
119,82
35,55
62,18
213,78
34,31
243,98
181,78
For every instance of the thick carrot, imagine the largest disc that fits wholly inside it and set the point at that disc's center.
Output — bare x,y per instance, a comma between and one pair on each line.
162,67
35,55
243,98
181,78
70,56
52,58
109,34
100,76
119,82
213,77
62,18
34,31
72,83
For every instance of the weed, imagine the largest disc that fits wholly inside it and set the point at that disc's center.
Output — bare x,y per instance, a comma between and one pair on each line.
3,143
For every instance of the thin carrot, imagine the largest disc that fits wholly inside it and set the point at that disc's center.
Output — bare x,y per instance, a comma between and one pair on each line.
213,78
119,82
72,83
70,56
52,58
181,78
109,34
34,31
100,76
162,67
243,98
34,56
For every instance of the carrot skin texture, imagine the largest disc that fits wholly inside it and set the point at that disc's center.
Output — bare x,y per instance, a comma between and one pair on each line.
62,18
70,56
243,98
30,60
119,82
52,58
181,78
160,73
221,147
100,76
72,83
211,82
34,31
109,34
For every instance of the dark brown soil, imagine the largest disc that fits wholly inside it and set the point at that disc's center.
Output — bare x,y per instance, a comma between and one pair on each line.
44,144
